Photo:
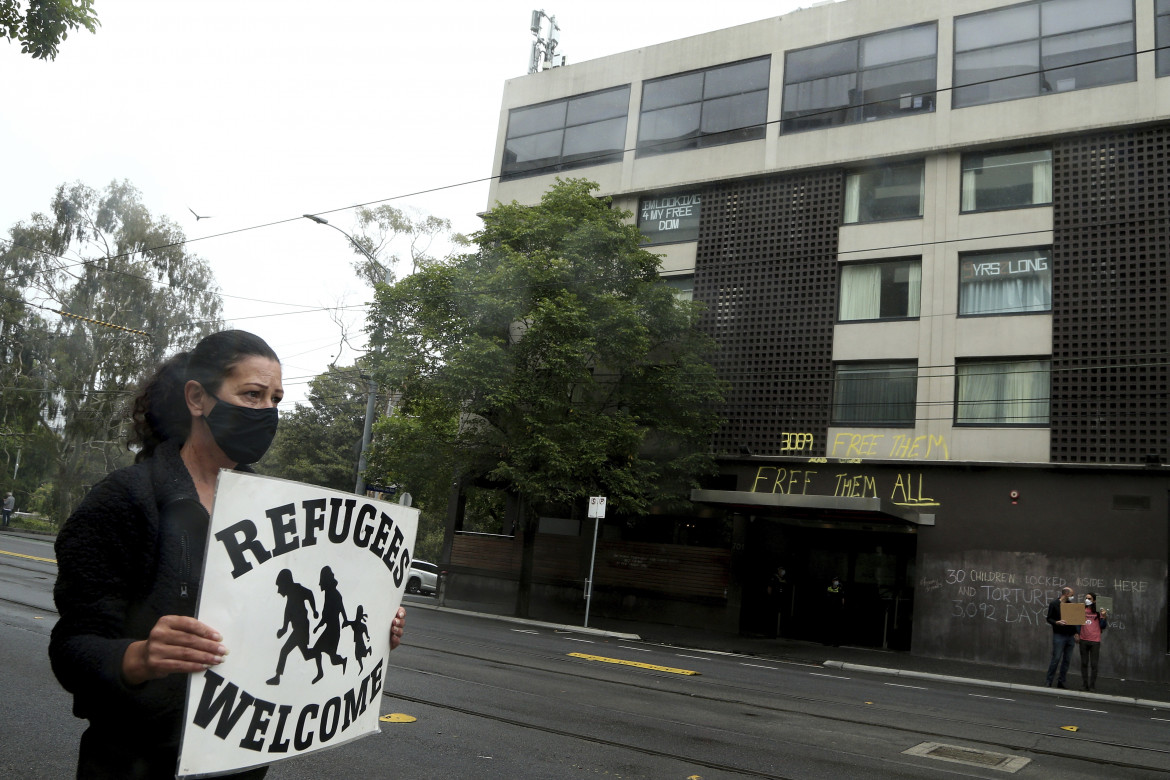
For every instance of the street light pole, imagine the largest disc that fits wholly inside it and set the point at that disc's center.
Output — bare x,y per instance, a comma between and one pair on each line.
360,485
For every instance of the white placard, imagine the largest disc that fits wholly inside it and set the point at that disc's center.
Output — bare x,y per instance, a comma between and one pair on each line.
597,506
307,580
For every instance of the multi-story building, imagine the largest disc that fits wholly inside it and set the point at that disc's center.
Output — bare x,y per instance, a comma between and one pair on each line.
932,241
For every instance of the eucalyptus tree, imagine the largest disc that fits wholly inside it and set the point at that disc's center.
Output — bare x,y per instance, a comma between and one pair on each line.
114,291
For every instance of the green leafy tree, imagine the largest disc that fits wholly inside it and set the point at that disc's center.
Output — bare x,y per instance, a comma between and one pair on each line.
319,442
114,291
40,25
552,362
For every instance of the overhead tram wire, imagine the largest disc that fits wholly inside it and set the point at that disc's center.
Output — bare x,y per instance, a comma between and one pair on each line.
91,320
494,177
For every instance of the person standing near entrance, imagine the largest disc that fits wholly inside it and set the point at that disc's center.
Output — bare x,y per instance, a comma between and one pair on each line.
833,613
1095,622
1064,637
778,597
9,505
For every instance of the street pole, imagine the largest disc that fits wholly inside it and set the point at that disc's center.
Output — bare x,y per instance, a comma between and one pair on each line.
360,485
596,511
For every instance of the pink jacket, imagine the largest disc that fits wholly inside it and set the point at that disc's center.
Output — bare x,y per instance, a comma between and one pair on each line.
1091,630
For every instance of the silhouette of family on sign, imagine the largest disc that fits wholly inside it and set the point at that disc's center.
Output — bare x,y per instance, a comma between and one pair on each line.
298,600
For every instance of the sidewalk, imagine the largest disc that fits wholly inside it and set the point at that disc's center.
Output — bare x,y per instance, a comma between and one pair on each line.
868,660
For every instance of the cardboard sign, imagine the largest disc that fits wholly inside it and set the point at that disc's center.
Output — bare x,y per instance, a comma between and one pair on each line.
303,583
1072,613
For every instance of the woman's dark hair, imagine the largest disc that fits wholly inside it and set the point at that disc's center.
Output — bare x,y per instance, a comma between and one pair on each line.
160,408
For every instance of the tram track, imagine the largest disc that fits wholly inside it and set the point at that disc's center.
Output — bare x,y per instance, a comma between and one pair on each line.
1032,742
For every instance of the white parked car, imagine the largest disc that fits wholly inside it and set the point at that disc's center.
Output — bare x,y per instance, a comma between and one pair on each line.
424,578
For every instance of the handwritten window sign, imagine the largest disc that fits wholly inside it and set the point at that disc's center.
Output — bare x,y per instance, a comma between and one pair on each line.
668,218
303,583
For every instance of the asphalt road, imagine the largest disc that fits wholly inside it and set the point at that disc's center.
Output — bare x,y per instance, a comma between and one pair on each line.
496,699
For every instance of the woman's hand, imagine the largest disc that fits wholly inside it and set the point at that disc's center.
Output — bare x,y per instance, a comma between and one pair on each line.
176,644
397,626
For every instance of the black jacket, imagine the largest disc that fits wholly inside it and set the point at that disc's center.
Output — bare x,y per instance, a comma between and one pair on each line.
130,553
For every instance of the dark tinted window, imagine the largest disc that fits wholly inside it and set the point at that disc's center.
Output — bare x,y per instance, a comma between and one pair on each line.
716,106
569,133
1042,47
879,76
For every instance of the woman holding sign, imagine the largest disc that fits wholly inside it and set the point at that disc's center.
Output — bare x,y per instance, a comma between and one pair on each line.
130,556
1096,621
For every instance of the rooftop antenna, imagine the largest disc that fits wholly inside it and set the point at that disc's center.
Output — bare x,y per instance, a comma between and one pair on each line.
544,50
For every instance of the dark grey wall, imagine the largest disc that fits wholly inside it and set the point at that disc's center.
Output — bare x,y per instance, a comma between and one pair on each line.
989,606
987,570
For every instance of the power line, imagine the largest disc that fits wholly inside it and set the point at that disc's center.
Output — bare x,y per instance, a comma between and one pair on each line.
556,168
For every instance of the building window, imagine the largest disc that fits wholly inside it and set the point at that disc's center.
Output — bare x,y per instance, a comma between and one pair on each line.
684,286
1006,180
885,193
1005,282
887,290
1042,47
1162,35
879,76
703,108
1002,392
875,394
667,219
569,133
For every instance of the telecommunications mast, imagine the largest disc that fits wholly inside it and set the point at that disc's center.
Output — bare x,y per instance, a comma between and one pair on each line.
544,50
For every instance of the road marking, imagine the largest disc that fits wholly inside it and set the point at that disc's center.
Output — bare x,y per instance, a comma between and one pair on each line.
638,664
1081,709
897,685
524,631
397,717
30,557
834,676
694,657
981,696
639,649
574,639
1164,720
758,666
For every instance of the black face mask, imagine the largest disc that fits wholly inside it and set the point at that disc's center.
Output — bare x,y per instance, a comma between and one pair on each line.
243,433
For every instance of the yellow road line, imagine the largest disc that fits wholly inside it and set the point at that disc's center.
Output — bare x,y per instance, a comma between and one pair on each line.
30,557
605,660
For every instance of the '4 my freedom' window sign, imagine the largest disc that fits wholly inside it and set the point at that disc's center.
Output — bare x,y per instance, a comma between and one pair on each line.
667,218
303,583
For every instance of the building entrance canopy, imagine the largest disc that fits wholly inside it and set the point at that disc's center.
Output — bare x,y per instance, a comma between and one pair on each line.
827,509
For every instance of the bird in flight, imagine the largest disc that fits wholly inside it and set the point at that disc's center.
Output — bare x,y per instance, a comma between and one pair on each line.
197,217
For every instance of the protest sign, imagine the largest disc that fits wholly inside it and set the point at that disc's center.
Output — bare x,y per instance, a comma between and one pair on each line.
1072,613
303,583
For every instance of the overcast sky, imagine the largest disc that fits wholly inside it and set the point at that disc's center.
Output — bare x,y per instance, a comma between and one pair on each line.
257,111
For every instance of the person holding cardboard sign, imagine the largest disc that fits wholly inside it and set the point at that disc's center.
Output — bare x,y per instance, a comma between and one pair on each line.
1064,636
129,558
1096,621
